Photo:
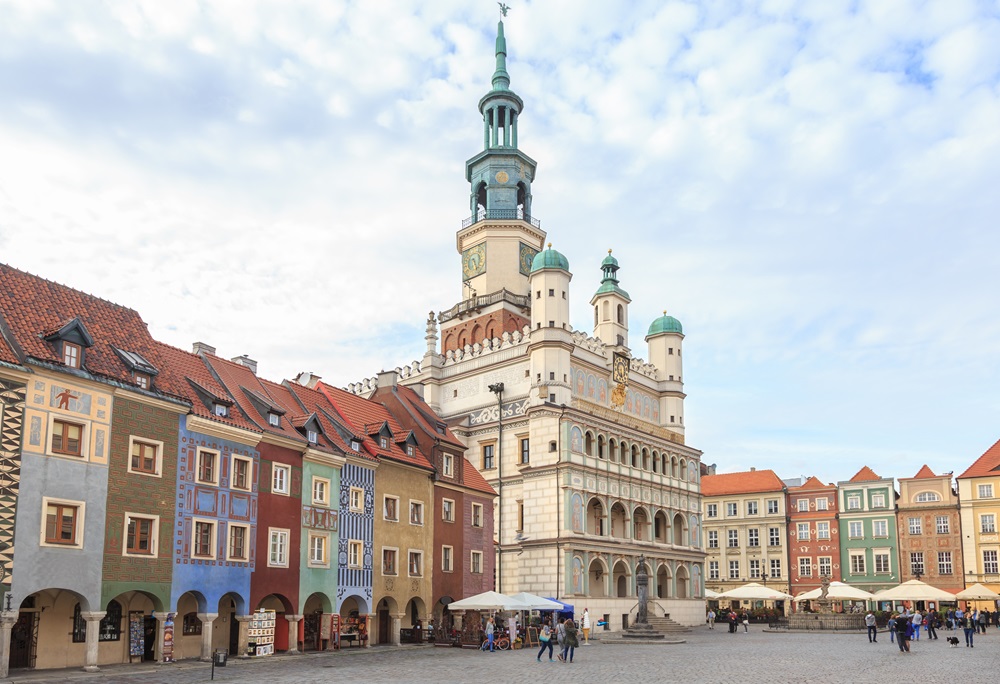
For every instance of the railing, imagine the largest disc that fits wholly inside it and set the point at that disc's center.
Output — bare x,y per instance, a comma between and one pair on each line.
484,300
502,214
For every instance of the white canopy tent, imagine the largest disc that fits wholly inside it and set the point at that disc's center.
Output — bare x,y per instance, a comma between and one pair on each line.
534,602
977,592
488,600
914,590
755,591
709,594
838,591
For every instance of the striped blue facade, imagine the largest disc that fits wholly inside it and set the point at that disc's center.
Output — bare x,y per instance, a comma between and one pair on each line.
356,582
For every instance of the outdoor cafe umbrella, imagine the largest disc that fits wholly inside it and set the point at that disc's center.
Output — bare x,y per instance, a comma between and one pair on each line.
755,591
709,594
534,602
488,600
977,592
914,590
838,591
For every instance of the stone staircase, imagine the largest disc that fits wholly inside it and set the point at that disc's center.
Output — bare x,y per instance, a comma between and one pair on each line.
665,625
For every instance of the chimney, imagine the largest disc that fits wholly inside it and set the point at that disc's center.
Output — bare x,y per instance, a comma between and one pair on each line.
201,347
388,378
752,469
307,379
247,362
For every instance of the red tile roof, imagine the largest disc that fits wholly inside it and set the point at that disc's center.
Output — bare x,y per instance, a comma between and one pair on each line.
741,483
922,474
811,484
475,480
426,417
866,474
317,404
986,465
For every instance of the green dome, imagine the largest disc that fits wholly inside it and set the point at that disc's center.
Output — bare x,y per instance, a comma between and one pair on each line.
609,261
549,258
665,324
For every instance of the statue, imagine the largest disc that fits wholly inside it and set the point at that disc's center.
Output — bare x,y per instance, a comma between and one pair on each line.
642,588
503,8
823,600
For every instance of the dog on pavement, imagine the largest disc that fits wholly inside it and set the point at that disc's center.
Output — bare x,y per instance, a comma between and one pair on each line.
953,641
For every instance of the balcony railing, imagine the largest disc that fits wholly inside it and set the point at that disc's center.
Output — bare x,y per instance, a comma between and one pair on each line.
484,300
503,215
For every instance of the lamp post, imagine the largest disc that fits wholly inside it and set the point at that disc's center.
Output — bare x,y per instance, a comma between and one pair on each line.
497,389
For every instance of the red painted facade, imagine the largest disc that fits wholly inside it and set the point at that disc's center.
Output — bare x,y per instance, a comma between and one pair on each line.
818,540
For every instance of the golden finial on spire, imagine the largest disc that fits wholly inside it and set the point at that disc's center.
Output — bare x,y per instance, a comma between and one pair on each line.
550,245
609,252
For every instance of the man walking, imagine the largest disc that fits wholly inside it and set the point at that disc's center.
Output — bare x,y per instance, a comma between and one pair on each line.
931,627
711,619
872,629
918,621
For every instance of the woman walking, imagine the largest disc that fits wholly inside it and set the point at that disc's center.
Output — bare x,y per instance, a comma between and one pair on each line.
546,638
570,642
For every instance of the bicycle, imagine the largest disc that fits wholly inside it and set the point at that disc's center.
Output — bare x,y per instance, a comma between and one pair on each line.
500,643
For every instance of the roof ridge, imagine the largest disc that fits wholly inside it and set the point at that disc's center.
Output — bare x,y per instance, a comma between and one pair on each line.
70,287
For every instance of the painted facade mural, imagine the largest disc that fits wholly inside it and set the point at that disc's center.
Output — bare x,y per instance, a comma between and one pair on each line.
588,386
12,396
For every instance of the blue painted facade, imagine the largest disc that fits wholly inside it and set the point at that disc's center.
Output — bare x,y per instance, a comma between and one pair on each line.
356,582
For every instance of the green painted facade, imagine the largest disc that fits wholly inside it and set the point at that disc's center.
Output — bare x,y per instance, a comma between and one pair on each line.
869,542
320,519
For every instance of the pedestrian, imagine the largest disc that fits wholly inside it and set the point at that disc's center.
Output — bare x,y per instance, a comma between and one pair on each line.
570,642
546,638
892,628
969,627
745,619
711,619
561,638
931,627
732,621
982,619
872,629
902,626
585,623
490,630
917,620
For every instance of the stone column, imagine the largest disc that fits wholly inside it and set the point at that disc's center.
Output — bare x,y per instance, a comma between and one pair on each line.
93,620
161,621
397,623
293,632
7,621
243,641
207,629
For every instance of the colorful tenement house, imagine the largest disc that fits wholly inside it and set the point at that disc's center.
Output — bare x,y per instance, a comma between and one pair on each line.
745,529
813,535
89,526
583,442
979,493
868,539
463,503
930,531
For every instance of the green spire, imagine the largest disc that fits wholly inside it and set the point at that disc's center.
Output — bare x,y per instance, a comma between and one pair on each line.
501,79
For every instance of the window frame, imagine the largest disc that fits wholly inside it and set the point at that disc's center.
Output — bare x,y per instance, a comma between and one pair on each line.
231,528
857,563
323,483
773,537
734,569
72,354
356,494
286,477
713,539
418,556
946,564
917,564
82,442
987,523
880,555
448,465
246,462
851,527
524,450
775,564
878,500
805,568
476,560
447,558
477,518
712,510
79,514
393,553
732,509
448,510
773,507
318,541
854,502
217,459
713,570
802,531
828,564
822,529
213,542
488,457
385,509
822,504
990,564
154,527
880,522
753,507
355,553
284,537
156,445
945,528
915,525
984,491
732,539
753,537
802,505
418,508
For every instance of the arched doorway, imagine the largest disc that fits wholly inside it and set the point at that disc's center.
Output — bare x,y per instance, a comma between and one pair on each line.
619,521
598,578
663,582
412,626
281,607
316,610
680,538
682,582
621,579
382,628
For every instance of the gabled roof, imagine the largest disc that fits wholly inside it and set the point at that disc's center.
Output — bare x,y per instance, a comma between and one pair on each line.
811,484
300,418
866,474
318,405
986,465
432,424
741,483
923,474
475,480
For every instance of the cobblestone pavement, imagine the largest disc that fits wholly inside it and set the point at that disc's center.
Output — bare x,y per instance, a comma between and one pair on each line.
708,656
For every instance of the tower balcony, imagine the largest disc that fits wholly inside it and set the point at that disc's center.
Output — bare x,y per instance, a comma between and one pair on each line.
501,215
476,304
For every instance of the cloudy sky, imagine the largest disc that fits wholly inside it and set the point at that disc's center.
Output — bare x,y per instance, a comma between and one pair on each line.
810,187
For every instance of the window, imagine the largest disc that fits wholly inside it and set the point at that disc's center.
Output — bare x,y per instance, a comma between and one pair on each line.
985,491
858,563
312,436
390,561
67,438
734,539
416,563
477,562
825,566
773,536
915,526
520,516
987,523
278,551
142,380
448,463
712,511
487,456
944,563
803,531
357,500
878,500
140,535
208,471
409,450
713,539
880,528
734,569
925,497
63,523
191,625
221,410
772,506
383,442
990,562
822,530
320,491
754,568
110,626
446,558
477,515
242,475
854,503
71,354
882,563
448,510
731,510
354,551
203,544
751,508
775,567
239,543
390,508
805,567
317,549
917,562
855,530
942,524
416,513
274,420
753,537
821,505
525,450
803,505
280,478
713,570
144,457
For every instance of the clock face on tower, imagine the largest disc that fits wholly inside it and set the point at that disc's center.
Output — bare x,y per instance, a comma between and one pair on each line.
474,261
619,369
526,255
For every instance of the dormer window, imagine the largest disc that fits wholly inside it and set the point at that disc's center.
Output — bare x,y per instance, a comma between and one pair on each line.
222,410
142,380
409,449
273,420
312,436
355,445
72,354
383,442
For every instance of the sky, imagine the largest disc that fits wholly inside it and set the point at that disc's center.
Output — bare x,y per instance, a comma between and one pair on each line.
811,188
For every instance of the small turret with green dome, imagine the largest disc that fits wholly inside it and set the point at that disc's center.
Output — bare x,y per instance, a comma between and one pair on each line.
610,281
549,258
665,324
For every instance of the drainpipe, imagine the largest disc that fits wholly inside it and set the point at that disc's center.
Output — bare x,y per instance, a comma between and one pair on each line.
497,389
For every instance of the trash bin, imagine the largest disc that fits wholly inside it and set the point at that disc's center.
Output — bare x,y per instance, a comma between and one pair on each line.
221,657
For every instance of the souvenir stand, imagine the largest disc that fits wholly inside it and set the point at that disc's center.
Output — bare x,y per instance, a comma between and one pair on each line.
353,630
261,633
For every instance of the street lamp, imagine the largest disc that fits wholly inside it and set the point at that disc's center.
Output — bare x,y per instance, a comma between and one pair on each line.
497,389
